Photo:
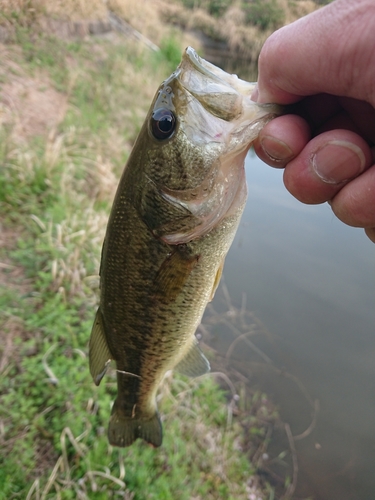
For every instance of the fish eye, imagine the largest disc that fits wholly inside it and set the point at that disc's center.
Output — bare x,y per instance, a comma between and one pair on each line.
163,123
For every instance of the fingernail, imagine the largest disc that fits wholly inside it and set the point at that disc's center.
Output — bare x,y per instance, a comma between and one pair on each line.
338,161
274,148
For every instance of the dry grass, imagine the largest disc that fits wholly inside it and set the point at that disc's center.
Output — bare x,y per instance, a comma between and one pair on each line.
143,15
297,8
149,17
241,40
64,9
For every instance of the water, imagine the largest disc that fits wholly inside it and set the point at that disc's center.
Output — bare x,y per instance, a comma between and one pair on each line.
311,280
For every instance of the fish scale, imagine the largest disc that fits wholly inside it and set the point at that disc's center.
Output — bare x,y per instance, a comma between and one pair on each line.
174,217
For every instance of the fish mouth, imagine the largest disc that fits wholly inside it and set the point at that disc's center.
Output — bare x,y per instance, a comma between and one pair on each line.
191,58
199,93
223,95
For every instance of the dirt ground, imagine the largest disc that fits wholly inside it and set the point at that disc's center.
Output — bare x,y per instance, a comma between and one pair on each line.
30,106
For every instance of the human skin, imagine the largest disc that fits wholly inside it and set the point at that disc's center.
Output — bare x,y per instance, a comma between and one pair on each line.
324,64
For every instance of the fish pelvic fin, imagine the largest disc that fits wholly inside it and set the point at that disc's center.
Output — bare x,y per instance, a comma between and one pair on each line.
194,363
99,353
123,430
174,272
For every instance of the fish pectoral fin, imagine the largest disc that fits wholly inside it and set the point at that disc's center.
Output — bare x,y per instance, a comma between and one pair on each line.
219,272
174,272
124,430
194,363
99,353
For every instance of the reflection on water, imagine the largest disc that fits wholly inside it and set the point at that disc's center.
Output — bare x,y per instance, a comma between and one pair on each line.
310,280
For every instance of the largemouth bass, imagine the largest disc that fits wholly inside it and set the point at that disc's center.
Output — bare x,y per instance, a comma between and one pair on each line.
175,214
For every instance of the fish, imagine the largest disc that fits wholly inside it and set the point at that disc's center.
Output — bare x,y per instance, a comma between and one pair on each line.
174,216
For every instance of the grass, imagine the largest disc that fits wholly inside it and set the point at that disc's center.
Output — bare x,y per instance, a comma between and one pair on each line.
241,25
56,187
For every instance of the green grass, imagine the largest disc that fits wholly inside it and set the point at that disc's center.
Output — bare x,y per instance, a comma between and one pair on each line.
266,14
55,194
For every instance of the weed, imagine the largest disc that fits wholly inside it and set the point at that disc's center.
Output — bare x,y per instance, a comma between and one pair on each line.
265,14
215,7
169,54
171,50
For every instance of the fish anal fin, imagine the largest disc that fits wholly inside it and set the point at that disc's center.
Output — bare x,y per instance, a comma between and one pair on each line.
99,353
219,272
124,430
174,272
194,363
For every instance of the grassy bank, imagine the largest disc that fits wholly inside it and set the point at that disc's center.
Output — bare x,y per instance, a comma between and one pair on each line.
70,112
231,32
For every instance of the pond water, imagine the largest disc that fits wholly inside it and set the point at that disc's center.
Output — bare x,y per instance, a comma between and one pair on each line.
311,281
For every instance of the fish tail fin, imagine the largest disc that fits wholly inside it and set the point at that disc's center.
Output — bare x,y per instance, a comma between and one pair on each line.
124,430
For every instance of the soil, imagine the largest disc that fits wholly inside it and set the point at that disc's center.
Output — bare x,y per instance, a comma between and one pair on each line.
30,106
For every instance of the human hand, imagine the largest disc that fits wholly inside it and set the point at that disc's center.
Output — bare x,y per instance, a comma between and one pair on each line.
325,64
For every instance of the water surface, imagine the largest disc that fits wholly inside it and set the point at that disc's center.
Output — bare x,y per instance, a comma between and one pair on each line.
311,280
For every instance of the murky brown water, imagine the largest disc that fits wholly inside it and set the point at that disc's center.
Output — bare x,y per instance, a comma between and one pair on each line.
311,280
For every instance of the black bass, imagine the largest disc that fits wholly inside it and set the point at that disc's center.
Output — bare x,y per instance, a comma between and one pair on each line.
174,217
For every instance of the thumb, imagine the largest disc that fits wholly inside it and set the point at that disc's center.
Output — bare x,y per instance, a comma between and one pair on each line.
329,51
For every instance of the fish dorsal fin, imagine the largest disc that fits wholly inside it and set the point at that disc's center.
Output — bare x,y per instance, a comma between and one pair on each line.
194,363
99,353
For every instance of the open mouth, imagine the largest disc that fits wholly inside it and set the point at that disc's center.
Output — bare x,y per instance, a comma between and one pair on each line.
215,74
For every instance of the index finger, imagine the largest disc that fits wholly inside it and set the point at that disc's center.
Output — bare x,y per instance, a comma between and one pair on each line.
316,55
